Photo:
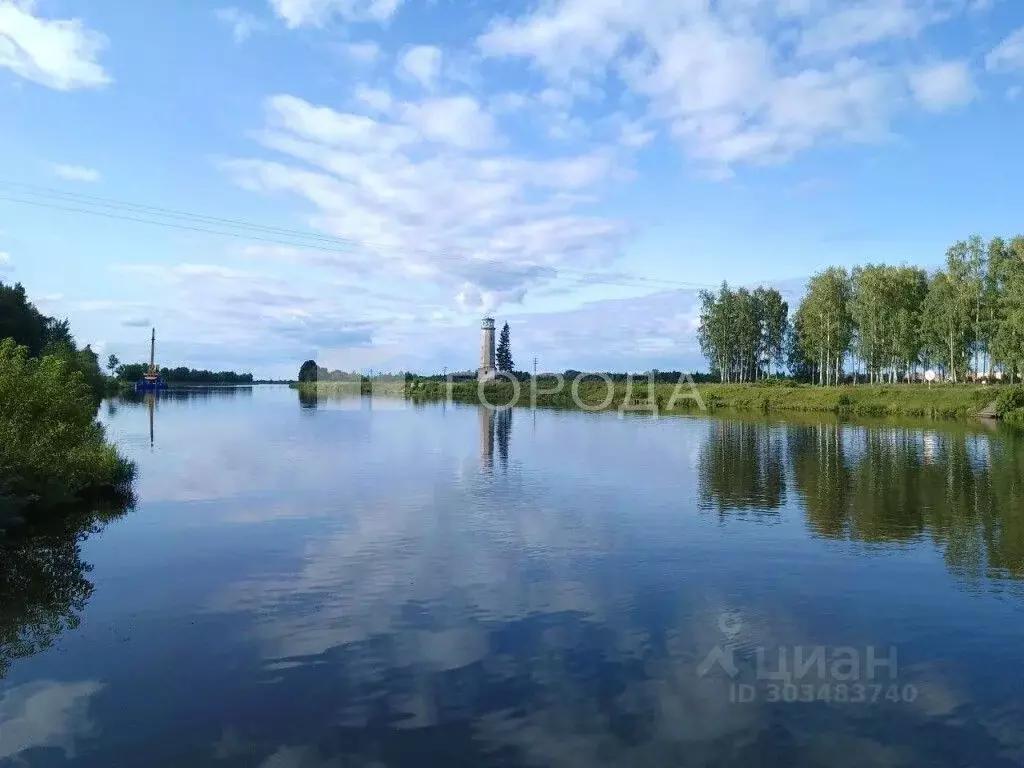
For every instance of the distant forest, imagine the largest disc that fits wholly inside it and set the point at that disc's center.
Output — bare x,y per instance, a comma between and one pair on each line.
181,375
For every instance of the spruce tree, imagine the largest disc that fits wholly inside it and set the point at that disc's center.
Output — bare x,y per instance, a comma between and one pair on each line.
504,353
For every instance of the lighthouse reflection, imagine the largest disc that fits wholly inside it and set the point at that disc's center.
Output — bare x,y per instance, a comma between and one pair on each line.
495,423
485,416
503,431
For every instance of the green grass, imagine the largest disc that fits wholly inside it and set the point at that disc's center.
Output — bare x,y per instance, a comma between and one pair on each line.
914,400
939,401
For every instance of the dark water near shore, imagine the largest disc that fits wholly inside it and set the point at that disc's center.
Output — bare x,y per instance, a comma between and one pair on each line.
311,584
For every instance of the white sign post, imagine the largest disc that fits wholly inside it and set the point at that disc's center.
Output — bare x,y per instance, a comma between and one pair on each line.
929,376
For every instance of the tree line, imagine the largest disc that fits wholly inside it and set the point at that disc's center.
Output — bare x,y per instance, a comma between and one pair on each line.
53,452
311,373
742,333
879,323
180,375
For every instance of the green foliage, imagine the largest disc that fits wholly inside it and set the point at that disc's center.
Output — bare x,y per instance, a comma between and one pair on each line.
21,322
743,333
888,321
52,450
826,325
131,372
886,309
946,325
308,372
504,351
1010,399
918,400
774,383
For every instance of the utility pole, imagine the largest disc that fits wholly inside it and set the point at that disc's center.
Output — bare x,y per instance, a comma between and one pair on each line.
533,394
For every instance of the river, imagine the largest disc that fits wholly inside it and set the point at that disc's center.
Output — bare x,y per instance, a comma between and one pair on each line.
362,582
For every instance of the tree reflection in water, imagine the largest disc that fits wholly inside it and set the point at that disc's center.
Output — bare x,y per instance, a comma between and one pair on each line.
963,490
44,585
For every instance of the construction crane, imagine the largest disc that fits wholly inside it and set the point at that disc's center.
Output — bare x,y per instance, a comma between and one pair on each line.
151,380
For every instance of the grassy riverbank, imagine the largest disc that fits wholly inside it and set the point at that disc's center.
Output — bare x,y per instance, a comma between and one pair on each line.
939,401
913,400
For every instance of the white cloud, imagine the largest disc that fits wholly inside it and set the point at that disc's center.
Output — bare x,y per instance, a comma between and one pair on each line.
944,86
59,53
46,714
853,25
509,102
5,263
482,228
366,52
458,121
421,63
325,125
633,134
75,173
317,13
740,81
376,99
1008,56
242,23
439,195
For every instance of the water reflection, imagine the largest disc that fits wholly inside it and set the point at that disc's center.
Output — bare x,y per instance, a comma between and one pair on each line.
742,467
185,393
963,490
494,423
503,429
43,580
308,397
340,590
485,417
891,485
151,407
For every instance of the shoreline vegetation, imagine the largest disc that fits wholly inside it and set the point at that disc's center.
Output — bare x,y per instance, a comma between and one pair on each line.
879,323
129,373
589,392
54,455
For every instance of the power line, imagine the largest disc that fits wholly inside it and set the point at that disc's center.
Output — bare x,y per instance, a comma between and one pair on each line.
106,202
170,225
215,225
153,210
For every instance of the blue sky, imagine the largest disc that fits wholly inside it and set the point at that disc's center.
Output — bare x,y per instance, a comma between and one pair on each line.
578,167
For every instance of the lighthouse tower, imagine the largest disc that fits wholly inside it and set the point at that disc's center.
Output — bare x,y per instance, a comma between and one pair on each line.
487,370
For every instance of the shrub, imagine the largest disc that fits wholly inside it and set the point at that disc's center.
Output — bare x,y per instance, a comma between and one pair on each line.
1010,399
52,449
1015,418
775,383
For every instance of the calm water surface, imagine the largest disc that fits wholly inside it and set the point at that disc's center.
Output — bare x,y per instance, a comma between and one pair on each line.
308,584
